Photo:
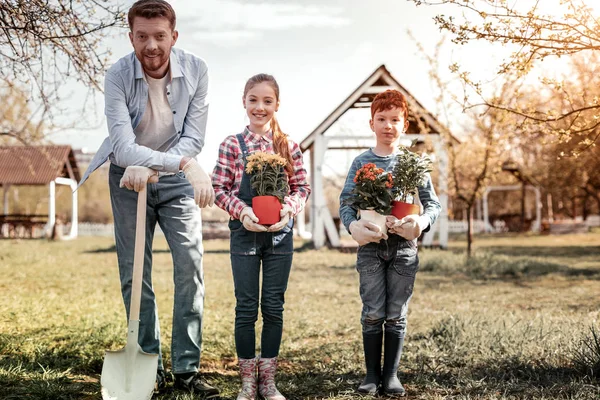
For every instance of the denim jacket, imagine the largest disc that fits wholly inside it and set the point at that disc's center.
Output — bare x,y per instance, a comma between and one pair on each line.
125,100
427,196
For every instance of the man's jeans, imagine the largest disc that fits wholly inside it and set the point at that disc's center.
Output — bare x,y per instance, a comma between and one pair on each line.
248,249
171,204
387,274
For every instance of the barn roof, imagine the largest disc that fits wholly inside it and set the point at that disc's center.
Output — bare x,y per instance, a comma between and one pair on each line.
36,165
420,119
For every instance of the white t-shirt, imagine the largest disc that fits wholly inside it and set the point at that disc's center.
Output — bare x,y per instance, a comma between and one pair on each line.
156,129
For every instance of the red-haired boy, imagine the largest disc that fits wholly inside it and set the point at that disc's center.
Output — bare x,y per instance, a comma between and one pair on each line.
387,265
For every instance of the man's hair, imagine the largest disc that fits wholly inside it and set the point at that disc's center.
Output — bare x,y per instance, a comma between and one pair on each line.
387,100
151,9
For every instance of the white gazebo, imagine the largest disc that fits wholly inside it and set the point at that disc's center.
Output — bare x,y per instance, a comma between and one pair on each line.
39,166
423,126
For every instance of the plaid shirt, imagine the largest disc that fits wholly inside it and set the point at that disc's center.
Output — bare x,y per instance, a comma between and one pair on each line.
228,173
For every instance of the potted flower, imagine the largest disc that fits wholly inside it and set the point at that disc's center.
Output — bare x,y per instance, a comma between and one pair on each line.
269,181
410,172
372,194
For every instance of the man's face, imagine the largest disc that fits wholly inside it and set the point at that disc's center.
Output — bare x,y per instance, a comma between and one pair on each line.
388,125
152,40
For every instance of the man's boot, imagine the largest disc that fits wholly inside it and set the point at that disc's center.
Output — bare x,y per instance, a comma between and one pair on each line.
391,385
372,349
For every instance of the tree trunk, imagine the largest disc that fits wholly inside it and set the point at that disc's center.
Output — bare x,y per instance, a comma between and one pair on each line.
469,229
551,207
523,193
584,209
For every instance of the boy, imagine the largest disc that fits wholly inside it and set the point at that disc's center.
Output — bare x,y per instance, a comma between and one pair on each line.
387,264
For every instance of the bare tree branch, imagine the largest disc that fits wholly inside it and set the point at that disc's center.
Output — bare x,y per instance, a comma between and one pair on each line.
45,43
538,37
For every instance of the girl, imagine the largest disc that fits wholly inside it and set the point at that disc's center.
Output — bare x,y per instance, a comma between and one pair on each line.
251,243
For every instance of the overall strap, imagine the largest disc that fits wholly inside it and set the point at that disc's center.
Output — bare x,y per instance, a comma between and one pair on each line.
242,144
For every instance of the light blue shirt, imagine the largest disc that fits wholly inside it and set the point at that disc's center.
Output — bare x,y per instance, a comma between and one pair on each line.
125,100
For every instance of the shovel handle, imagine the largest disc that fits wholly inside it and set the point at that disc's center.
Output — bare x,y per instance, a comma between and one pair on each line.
138,256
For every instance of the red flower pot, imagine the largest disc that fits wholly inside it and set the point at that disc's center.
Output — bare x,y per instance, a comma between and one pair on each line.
267,209
401,209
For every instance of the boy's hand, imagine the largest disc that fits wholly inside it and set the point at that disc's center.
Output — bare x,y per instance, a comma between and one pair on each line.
393,224
286,214
204,194
366,232
411,226
250,221
136,177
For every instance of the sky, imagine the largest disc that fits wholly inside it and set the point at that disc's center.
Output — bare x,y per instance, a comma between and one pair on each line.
318,50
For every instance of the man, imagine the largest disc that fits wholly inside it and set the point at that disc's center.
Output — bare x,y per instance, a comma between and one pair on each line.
156,109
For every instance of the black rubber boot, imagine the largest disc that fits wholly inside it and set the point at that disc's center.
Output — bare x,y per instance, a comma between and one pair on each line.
372,348
391,385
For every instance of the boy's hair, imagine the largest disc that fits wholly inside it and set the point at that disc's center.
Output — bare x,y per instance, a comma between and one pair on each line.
387,100
151,9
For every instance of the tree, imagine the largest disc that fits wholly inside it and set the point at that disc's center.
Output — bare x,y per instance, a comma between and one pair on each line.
572,180
43,44
538,36
477,159
16,122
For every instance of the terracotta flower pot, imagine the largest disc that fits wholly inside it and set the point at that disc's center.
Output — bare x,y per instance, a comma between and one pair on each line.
374,217
267,209
401,209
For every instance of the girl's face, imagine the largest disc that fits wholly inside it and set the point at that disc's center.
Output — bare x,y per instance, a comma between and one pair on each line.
260,103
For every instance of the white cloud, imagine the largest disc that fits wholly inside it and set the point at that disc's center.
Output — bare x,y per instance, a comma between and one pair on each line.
226,38
232,20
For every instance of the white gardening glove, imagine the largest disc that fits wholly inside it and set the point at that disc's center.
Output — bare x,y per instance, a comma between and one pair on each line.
204,194
411,226
393,224
136,177
366,232
250,221
286,214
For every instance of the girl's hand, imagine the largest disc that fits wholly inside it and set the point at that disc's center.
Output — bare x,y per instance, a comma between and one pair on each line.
286,214
250,221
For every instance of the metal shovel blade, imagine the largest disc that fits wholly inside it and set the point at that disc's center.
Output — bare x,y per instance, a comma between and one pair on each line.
129,373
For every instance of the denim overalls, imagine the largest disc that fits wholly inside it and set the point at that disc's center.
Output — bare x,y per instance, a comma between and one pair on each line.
248,249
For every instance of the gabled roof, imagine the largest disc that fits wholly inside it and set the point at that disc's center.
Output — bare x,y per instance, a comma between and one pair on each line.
36,165
379,81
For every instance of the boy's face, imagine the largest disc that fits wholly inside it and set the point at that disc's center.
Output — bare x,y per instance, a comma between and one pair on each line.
388,125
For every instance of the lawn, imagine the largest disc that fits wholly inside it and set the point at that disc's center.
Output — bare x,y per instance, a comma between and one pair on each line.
506,324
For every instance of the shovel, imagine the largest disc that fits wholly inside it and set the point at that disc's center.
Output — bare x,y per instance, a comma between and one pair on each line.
130,373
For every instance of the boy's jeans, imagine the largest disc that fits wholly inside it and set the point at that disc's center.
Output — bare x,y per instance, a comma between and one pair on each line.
171,204
387,274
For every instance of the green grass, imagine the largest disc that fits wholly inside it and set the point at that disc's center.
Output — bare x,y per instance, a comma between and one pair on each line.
511,323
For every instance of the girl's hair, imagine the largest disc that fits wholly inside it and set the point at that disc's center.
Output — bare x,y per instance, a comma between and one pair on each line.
280,139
